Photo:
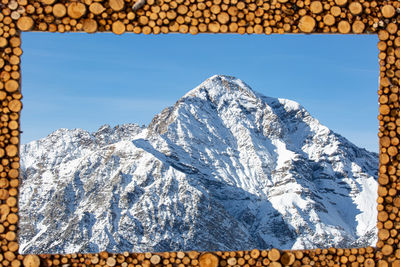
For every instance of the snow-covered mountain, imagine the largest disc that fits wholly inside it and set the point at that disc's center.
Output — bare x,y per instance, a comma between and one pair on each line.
225,168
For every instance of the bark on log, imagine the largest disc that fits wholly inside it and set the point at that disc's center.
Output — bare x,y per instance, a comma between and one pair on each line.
138,5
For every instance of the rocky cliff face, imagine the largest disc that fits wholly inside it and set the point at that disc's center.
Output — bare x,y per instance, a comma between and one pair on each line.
223,169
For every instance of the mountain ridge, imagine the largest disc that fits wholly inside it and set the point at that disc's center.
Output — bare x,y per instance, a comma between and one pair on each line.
270,173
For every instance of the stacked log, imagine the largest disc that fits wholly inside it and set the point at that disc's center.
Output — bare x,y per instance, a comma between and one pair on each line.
193,17
212,16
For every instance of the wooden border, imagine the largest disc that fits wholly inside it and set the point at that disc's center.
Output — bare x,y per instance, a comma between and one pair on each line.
199,16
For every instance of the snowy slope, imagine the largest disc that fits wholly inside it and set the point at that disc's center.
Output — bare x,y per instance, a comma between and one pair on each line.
225,168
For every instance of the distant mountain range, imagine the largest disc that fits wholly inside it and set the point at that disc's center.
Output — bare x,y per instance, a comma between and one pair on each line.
225,168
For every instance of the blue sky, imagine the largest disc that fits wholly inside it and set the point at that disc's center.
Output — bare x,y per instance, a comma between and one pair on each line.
79,80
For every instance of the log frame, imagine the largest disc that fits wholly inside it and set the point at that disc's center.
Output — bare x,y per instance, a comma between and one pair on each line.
207,16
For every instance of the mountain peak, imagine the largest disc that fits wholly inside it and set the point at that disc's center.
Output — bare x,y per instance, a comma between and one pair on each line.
218,85
222,76
216,90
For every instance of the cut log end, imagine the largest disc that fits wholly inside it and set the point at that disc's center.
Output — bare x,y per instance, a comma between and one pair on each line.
208,260
76,10
288,258
274,254
344,27
369,263
355,8
307,24
59,10
15,105
387,250
111,262
118,27
214,27
384,109
11,86
25,23
388,11
341,2
329,20
255,253
155,259
223,17
11,150
116,5
316,7
31,261
47,2
89,25
3,42
96,8
358,27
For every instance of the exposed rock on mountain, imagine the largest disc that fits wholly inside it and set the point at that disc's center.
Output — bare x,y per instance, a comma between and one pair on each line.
225,168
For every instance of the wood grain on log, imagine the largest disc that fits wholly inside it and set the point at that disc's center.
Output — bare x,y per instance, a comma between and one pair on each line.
329,20
25,23
208,260
341,2
11,86
118,27
316,7
288,258
388,11
96,8
307,24
358,26
116,5
214,27
355,8
344,27
59,10
31,261
76,10
387,250
48,2
274,255
90,25
15,105
111,261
